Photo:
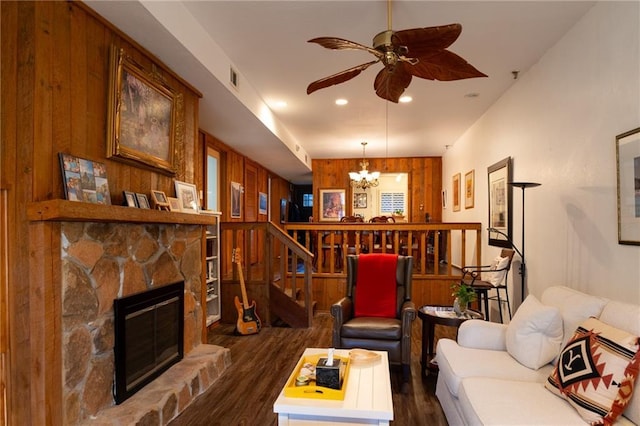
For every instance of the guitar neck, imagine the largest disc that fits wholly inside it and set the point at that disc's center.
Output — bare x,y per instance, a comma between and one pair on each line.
245,300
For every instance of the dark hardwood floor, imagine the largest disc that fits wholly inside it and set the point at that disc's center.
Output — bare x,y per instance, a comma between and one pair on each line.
245,393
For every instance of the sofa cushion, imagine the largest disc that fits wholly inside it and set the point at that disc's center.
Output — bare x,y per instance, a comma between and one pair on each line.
456,362
574,306
497,271
534,334
597,370
490,401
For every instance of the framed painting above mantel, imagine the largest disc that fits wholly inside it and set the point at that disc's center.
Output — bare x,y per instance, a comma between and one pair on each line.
143,115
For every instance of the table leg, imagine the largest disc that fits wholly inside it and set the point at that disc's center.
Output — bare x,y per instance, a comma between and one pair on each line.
428,329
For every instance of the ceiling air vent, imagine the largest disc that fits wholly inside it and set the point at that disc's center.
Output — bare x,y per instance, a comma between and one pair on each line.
234,79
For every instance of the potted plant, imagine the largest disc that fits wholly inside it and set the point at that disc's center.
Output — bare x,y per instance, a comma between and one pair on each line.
464,294
399,213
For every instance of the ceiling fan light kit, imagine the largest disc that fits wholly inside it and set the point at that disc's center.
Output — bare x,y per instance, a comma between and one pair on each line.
419,52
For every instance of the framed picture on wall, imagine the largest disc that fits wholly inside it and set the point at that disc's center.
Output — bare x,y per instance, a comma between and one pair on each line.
332,204
469,189
456,192
262,203
499,175
360,200
628,174
141,126
236,200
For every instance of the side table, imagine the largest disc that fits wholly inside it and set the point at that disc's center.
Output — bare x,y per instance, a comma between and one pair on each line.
442,315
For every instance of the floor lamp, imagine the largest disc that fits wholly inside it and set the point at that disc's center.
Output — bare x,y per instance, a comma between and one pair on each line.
523,267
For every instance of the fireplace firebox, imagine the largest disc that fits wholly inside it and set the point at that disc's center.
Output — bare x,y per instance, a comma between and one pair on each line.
149,328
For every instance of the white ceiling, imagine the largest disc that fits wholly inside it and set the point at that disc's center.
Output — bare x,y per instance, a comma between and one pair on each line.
266,43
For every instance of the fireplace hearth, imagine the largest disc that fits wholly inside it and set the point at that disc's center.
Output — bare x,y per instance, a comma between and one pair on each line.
149,330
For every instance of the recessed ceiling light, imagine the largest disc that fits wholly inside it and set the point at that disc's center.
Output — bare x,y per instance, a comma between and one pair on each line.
405,99
280,104
341,101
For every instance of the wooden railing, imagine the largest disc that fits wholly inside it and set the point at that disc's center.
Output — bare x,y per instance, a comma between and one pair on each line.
270,256
311,256
431,244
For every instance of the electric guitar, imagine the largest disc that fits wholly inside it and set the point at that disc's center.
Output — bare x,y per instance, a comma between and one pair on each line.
248,321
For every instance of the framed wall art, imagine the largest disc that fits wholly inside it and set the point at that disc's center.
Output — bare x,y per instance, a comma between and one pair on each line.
143,201
332,204
174,204
129,199
236,200
469,189
84,180
159,200
187,193
360,200
628,176
262,203
141,127
500,203
456,192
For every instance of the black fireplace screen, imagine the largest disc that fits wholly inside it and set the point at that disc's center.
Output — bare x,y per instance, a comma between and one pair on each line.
149,329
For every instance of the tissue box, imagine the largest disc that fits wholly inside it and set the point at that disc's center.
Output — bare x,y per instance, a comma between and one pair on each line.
330,376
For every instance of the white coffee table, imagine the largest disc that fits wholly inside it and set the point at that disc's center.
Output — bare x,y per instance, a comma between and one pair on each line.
367,398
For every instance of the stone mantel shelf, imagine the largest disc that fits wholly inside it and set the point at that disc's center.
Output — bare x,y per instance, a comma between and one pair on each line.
75,211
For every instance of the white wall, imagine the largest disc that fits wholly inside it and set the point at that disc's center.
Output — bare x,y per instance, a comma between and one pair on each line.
558,123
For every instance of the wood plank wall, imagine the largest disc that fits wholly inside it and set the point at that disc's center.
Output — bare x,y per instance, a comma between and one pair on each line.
425,182
54,65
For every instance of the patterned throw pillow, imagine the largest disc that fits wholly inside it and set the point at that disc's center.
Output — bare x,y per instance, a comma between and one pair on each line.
596,371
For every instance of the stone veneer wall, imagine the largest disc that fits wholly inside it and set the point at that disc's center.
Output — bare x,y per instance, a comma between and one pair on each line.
104,261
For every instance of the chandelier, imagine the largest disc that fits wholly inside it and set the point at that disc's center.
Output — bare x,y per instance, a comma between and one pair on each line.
363,179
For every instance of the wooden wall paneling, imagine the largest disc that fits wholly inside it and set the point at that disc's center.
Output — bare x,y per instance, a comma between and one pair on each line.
20,357
97,86
61,70
43,101
78,80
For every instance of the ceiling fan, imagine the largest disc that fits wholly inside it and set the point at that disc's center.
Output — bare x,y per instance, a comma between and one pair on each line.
419,52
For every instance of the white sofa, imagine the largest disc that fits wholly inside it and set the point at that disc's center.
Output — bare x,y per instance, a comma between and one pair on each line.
481,383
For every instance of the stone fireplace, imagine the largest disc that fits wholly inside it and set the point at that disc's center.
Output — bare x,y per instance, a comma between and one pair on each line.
105,261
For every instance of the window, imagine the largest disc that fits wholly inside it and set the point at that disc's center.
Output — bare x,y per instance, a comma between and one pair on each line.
213,180
391,201
307,200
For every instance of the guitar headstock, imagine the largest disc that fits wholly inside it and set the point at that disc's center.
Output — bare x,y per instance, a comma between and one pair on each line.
236,257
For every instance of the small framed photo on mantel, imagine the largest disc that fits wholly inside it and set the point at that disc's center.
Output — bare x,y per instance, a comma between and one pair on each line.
159,200
187,193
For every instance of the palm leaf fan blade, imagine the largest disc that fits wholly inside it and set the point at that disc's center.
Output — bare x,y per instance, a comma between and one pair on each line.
444,66
338,78
391,82
426,41
337,43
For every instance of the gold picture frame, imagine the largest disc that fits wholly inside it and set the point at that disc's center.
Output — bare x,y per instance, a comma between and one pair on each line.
456,192
332,204
141,127
469,189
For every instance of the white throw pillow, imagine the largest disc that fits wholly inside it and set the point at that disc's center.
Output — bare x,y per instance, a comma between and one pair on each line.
496,278
534,335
